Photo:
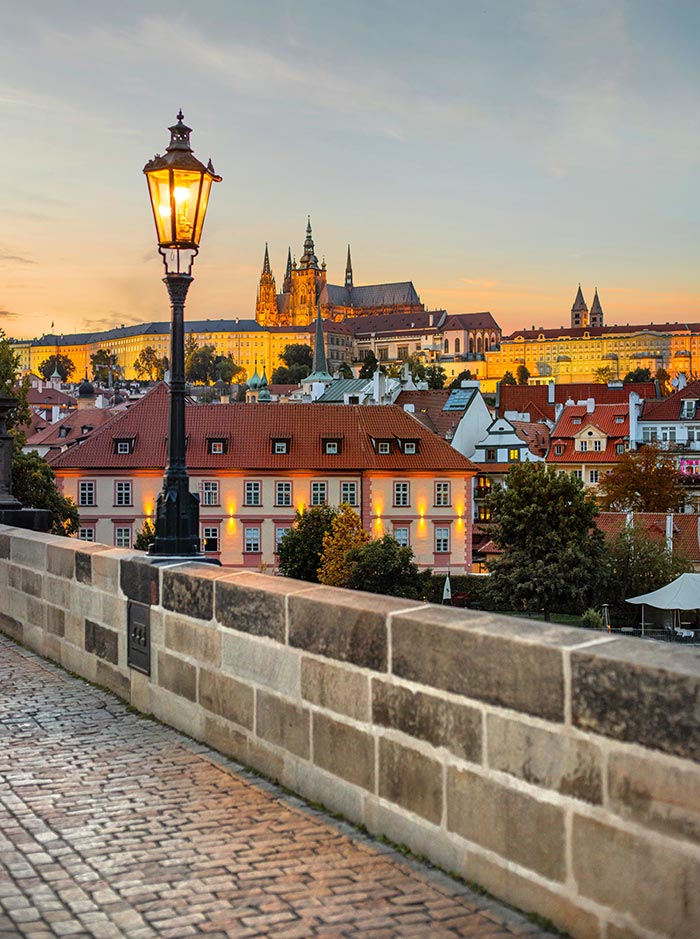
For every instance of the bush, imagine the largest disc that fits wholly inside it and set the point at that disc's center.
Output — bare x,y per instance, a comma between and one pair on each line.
592,619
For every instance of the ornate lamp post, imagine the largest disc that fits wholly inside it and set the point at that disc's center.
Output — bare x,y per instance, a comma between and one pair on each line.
179,187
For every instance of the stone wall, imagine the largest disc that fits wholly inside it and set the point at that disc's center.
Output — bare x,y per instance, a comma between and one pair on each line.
556,768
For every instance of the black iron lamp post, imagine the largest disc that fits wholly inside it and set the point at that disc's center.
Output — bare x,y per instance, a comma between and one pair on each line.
179,187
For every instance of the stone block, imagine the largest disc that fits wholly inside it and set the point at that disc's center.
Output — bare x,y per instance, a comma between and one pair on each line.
79,662
262,662
226,739
513,824
33,637
105,570
423,838
56,620
32,582
343,624
51,647
16,604
177,712
338,689
410,779
320,787
101,641
74,629
438,721
14,576
29,549
639,692
227,697
553,759
510,663
140,580
86,601
646,878
11,627
265,759
657,792
60,559
189,589
344,751
255,603
282,723
192,639
140,692
58,591
113,611
177,676
36,612
83,567
5,544
113,679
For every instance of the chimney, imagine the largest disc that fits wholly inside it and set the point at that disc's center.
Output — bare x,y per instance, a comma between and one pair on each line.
590,405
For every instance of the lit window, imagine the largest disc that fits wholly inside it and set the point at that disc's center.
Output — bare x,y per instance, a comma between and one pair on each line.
122,537
442,540
319,493
513,454
401,536
252,541
283,493
210,492
402,494
86,493
216,446
210,539
86,534
483,513
252,493
348,493
122,493
442,493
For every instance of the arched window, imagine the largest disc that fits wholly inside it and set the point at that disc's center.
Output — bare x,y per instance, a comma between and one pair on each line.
447,346
456,346
486,344
471,345
479,345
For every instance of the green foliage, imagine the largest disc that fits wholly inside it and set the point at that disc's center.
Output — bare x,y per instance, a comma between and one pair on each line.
298,362
604,374
465,375
435,376
149,365
145,536
664,379
301,548
346,533
638,374
11,386
644,480
344,370
384,566
226,370
592,618
60,363
508,379
34,484
638,565
553,553
100,363
522,375
369,365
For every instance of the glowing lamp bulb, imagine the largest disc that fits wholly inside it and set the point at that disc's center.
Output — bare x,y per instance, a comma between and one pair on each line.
181,194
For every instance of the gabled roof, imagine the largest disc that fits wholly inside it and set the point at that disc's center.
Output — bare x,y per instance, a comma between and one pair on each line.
71,429
49,396
535,435
337,391
429,409
612,420
685,529
250,430
534,398
669,409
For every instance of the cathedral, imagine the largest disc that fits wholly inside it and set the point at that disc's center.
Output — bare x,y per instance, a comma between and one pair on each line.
305,288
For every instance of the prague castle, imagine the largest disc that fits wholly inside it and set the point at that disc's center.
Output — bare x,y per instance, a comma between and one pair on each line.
305,288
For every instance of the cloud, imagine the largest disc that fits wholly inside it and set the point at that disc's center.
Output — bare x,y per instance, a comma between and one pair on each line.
7,258
5,314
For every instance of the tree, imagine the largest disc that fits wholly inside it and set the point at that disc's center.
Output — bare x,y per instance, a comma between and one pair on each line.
103,362
638,565
552,551
644,480
57,362
522,374
298,362
200,365
344,370
10,386
664,379
346,532
34,484
145,536
226,370
508,379
301,548
148,364
638,374
436,376
384,566
369,365
604,374
465,375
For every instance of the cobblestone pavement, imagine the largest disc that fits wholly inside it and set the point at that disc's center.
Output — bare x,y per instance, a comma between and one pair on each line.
115,826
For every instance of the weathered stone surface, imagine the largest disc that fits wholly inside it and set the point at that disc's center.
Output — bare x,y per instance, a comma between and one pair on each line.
190,591
545,758
343,750
178,676
220,735
226,697
56,620
657,792
505,662
199,642
655,885
11,627
282,723
14,576
640,692
517,826
83,567
427,717
264,758
410,779
36,611
105,569
28,548
335,688
5,545
140,581
58,591
255,603
60,560
101,641
113,679
262,662
343,624
32,582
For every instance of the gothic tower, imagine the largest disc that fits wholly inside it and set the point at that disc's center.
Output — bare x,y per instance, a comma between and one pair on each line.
579,311
266,312
308,279
596,315
348,272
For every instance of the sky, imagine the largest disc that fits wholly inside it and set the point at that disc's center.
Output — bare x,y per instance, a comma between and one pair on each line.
495,153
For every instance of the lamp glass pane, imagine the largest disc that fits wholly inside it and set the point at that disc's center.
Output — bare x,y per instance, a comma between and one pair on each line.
203,202
185,198
159,190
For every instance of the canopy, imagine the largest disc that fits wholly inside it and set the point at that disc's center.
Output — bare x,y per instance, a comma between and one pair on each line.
681,594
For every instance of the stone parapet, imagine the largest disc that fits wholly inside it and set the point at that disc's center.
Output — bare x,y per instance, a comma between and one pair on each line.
558,768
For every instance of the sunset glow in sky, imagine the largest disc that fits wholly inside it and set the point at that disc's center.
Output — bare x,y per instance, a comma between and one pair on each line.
494,153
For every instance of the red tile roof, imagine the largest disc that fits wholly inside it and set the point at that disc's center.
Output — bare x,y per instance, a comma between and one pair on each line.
535,435
686,529
534,398
429,409
610,419
579,332
71,429
250,430
669,409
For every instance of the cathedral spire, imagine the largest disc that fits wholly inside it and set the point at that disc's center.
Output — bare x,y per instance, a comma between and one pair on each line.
287,284
596,317
308,258
579,303
348,272
266,262
319,369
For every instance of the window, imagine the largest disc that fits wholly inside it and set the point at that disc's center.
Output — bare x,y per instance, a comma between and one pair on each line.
331,447
597,445
123,446
442,493
210,538
402,353
577,474
402,494
252,541
279,535
619,448
383,353
442,540
513,454
280,446
559,449
86,534
619,420
252,493
348,493
583,445
491,455
457,347
122,537
401,536
86,493
210,492
592,476
576,420
216,446
319,493
283,493
383,446
409,446
122,493
483,513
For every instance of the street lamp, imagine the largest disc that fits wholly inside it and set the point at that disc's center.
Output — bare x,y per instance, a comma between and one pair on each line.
179,187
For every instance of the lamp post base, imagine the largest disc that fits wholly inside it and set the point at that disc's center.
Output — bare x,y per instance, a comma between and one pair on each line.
177,521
